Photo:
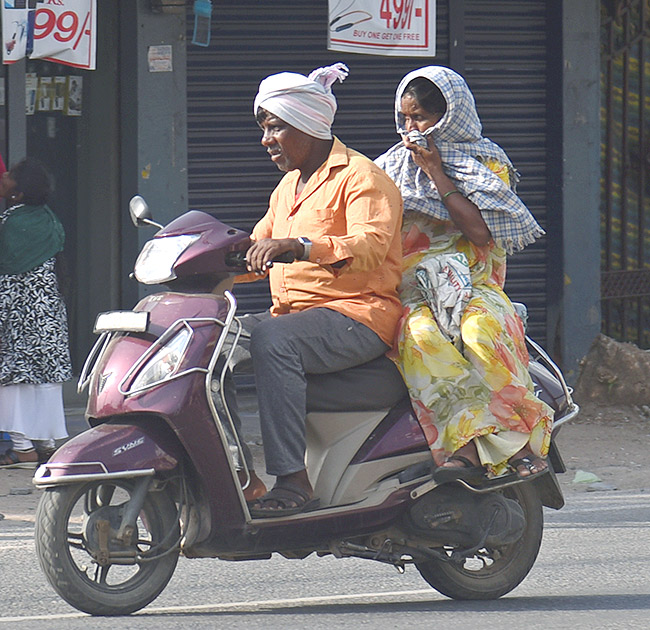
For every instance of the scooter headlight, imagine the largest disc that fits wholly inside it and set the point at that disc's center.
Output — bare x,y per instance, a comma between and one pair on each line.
155,264
164,363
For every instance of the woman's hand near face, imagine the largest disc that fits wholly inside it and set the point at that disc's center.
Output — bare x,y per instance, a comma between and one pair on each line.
427,159
465,215
262,252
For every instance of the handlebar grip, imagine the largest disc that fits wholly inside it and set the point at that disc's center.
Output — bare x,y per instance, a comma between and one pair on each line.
287,257
238,259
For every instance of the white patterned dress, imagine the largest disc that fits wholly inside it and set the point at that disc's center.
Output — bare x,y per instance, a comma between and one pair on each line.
34,352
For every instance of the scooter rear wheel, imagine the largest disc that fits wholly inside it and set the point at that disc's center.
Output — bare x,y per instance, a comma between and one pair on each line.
492,573
67,532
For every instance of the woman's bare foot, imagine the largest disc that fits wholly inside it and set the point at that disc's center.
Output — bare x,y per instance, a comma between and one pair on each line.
467,452
526,464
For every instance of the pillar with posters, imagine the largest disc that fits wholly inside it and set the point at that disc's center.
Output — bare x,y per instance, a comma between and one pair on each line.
64,31
398,28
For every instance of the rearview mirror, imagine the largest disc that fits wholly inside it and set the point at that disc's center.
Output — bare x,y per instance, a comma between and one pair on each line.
140,213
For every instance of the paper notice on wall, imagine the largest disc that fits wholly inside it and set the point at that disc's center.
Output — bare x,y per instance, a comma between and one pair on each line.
31,87
63,31
73,96
159,58
397,28
59,91
44,94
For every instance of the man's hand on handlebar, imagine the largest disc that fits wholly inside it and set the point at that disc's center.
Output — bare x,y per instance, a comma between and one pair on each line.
261,255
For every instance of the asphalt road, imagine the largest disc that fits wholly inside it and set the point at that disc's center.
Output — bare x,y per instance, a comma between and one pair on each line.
593,572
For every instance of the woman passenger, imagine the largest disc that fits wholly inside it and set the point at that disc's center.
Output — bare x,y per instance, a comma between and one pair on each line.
471,391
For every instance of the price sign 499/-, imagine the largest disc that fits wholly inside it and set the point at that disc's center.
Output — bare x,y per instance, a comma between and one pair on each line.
404,28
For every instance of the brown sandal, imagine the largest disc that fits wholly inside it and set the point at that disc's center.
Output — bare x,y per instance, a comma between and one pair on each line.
289,499
530,463
469,471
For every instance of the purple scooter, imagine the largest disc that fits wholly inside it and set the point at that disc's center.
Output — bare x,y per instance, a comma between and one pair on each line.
158,473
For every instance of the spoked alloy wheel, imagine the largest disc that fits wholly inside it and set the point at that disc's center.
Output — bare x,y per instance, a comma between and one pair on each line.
492,572
77,520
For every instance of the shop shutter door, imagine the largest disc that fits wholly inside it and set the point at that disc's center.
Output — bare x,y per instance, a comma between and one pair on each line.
506,68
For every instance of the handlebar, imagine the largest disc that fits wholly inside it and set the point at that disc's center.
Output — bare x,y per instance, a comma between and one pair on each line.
287,257
238,259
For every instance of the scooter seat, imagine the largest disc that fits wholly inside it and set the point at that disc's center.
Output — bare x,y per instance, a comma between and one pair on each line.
370,386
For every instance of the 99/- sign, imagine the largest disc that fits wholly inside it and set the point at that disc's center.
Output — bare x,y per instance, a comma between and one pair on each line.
63,27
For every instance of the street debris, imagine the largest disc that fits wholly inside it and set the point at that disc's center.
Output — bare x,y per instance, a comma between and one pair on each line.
583,476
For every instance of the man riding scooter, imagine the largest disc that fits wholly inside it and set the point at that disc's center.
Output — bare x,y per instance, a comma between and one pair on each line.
337,306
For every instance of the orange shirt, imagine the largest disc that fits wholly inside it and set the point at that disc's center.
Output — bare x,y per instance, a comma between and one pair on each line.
350,210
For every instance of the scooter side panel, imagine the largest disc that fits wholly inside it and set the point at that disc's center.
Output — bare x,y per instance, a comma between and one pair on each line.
349,452
109,449
547,387
399,433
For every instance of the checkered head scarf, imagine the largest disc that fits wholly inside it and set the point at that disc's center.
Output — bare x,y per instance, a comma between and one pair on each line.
464,151
306,103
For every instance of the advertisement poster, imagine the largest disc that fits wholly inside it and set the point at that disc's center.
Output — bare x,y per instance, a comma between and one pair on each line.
60,89
72,103
44,94
63,31
396,28
31,87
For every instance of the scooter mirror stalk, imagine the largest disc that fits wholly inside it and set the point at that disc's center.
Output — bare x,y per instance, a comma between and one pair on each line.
140,213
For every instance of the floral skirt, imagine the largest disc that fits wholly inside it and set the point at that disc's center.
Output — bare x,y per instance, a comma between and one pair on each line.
481,391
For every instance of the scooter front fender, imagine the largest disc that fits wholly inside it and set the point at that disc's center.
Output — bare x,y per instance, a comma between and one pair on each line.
114,450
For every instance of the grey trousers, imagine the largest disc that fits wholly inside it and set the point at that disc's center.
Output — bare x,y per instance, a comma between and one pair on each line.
283,350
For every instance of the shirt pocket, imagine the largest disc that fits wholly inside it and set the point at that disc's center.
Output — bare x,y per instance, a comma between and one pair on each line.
321,221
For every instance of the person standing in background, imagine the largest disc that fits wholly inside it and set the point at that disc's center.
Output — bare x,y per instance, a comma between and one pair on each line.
5,439
34,351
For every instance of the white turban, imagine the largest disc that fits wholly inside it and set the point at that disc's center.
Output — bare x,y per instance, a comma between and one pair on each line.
306,103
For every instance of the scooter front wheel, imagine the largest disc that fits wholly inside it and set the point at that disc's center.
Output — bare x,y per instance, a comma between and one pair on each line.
492,572
79,551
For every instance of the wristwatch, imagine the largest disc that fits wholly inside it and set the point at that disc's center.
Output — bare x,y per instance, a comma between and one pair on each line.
306,243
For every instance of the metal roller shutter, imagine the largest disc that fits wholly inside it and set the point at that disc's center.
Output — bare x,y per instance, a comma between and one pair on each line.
230,173
506,68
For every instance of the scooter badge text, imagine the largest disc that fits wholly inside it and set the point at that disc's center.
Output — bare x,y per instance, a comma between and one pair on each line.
127,447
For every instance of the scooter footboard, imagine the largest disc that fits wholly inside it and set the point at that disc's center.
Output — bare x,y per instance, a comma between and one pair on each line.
113,450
